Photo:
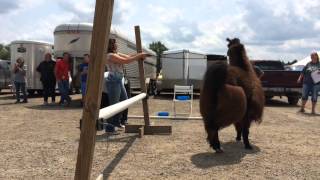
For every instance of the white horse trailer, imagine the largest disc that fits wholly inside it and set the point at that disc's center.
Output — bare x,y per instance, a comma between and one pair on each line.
76,40
182,67
33,53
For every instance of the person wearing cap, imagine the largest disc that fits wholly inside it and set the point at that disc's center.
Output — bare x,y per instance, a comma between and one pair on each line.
84,73
309,87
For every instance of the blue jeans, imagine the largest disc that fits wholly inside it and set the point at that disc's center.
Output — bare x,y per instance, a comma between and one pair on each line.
310,89
116,93
83,88
20,87
63,86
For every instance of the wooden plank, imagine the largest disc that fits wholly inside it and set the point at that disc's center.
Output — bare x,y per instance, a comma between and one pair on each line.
149,130
142,78
100,35
132,128
141,132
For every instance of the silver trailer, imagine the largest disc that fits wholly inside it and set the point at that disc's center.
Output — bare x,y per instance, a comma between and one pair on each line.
5,74
33,53
181,67
76,40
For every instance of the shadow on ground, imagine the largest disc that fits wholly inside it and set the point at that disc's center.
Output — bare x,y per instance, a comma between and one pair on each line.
75,104
129,140
278,103
233,154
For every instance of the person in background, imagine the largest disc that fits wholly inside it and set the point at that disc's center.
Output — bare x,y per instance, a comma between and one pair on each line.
115,87
20,80
84,73
48,79
309,87
62,77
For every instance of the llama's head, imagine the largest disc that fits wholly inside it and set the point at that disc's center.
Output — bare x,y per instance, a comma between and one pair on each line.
237,53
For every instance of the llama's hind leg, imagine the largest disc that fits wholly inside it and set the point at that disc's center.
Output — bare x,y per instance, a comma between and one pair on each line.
238,127
213,138
245,136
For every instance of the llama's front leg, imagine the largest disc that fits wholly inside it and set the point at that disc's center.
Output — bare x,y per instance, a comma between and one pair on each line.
213,138
245,135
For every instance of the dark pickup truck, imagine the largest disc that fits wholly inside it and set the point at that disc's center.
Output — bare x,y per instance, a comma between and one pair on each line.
276,81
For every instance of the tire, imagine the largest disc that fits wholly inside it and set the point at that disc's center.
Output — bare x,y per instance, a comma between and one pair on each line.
39,92
268,98
292,100
30,92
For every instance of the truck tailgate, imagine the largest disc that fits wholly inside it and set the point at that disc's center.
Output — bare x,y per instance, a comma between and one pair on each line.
280,78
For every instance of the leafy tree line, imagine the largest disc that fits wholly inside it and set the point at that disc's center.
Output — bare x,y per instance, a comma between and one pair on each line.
158,47
4,52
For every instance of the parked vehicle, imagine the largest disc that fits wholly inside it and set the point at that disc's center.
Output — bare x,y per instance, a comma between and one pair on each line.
181,67
277,81
5,74
33,53
76,40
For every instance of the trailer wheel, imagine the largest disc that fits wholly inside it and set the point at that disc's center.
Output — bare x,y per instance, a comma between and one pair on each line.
293,100
30,92
39,92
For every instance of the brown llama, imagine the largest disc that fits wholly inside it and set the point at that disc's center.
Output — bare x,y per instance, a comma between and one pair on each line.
231,94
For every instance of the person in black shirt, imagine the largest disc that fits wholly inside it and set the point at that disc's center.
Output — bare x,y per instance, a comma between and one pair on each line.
48,79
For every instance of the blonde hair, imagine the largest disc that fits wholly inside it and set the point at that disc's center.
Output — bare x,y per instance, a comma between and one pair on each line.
316,55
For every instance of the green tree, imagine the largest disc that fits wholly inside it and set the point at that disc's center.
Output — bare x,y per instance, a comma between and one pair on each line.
158,47
4,52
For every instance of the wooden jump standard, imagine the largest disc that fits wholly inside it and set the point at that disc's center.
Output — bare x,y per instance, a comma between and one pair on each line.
100,36
146,129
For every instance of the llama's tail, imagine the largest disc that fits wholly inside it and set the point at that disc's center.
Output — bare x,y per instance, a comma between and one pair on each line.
214,80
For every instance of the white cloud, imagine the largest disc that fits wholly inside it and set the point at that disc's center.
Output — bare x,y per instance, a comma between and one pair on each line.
269,28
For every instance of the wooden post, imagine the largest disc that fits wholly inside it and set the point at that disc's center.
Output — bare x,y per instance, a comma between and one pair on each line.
100,35
142,78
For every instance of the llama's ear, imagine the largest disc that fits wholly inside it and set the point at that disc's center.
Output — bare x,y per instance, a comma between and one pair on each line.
228,39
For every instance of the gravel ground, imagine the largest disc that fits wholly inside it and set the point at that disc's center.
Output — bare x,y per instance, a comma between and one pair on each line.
40,142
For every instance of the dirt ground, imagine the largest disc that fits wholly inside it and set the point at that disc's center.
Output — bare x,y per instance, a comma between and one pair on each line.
40,142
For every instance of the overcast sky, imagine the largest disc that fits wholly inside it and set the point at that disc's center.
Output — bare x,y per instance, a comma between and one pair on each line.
270,29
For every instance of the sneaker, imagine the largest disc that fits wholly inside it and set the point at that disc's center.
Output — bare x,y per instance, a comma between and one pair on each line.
302,110
45,103
25,101
109,128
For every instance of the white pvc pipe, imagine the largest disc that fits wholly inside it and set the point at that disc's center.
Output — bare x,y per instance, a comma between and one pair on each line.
168,117
112,110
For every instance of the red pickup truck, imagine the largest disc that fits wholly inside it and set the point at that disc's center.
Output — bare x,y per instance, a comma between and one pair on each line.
277,81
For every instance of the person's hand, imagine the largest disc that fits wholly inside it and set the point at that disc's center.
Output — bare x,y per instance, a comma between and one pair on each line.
145,55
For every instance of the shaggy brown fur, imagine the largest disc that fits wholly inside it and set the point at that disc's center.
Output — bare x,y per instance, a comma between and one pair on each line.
231,94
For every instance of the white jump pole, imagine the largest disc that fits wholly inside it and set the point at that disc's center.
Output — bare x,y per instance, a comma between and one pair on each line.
114,109
167,117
